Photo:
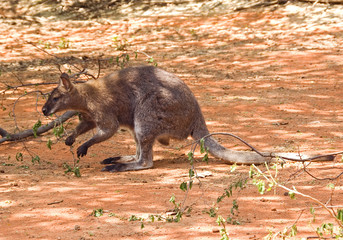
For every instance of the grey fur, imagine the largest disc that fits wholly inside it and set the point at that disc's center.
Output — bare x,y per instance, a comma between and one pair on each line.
152,103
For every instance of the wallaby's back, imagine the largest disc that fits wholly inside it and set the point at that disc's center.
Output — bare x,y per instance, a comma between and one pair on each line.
151,97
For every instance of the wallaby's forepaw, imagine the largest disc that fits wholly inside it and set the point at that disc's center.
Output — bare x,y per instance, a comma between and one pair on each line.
69,141
110,160
82,151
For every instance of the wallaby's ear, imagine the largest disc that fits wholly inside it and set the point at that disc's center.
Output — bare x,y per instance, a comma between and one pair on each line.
65,82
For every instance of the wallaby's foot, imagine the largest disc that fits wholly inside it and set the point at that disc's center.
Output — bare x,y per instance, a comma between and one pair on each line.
82,151
110,160
70,140
122,167
120,159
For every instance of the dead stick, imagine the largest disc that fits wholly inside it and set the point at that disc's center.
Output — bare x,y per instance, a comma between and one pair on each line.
30,132
56,202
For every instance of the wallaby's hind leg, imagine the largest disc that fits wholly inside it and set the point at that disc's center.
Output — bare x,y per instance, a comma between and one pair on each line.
145,160
124,159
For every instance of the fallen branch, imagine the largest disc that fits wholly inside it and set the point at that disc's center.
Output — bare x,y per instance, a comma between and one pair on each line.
262,4
30,132
55,202
324,1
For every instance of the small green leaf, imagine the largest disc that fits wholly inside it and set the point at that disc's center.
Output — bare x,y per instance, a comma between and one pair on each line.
172,199
178,216
58,130
202,145
133,218
112,215
234,207
233,167
35,128
19,156
98,212
24,167
212,212
49,143
251,172
190,156
183,186
77,172
220,220
260,186
205,158
291,194
220,198
340,214
7,164
152,218
331,185
190,184
312,210
228,191
150,60
270,186
191,173
64,43
35,159
294,230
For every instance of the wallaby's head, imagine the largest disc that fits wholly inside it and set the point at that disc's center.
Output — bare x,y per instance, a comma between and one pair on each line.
60,98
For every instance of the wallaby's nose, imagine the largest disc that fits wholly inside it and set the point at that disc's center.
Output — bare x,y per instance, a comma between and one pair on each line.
45,111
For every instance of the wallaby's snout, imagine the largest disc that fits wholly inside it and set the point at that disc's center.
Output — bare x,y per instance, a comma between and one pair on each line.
45,111
48,107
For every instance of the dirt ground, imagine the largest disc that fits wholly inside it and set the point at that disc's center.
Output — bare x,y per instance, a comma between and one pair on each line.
271,76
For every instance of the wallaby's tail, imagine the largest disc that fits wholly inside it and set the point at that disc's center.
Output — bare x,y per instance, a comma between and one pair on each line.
217,150
231,156
248,157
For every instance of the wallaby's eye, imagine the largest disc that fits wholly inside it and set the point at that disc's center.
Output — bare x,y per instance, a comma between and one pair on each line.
55,99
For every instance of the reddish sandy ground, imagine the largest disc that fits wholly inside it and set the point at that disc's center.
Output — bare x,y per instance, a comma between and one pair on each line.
270,77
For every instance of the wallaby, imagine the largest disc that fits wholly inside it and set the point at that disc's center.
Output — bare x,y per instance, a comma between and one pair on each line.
152,103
